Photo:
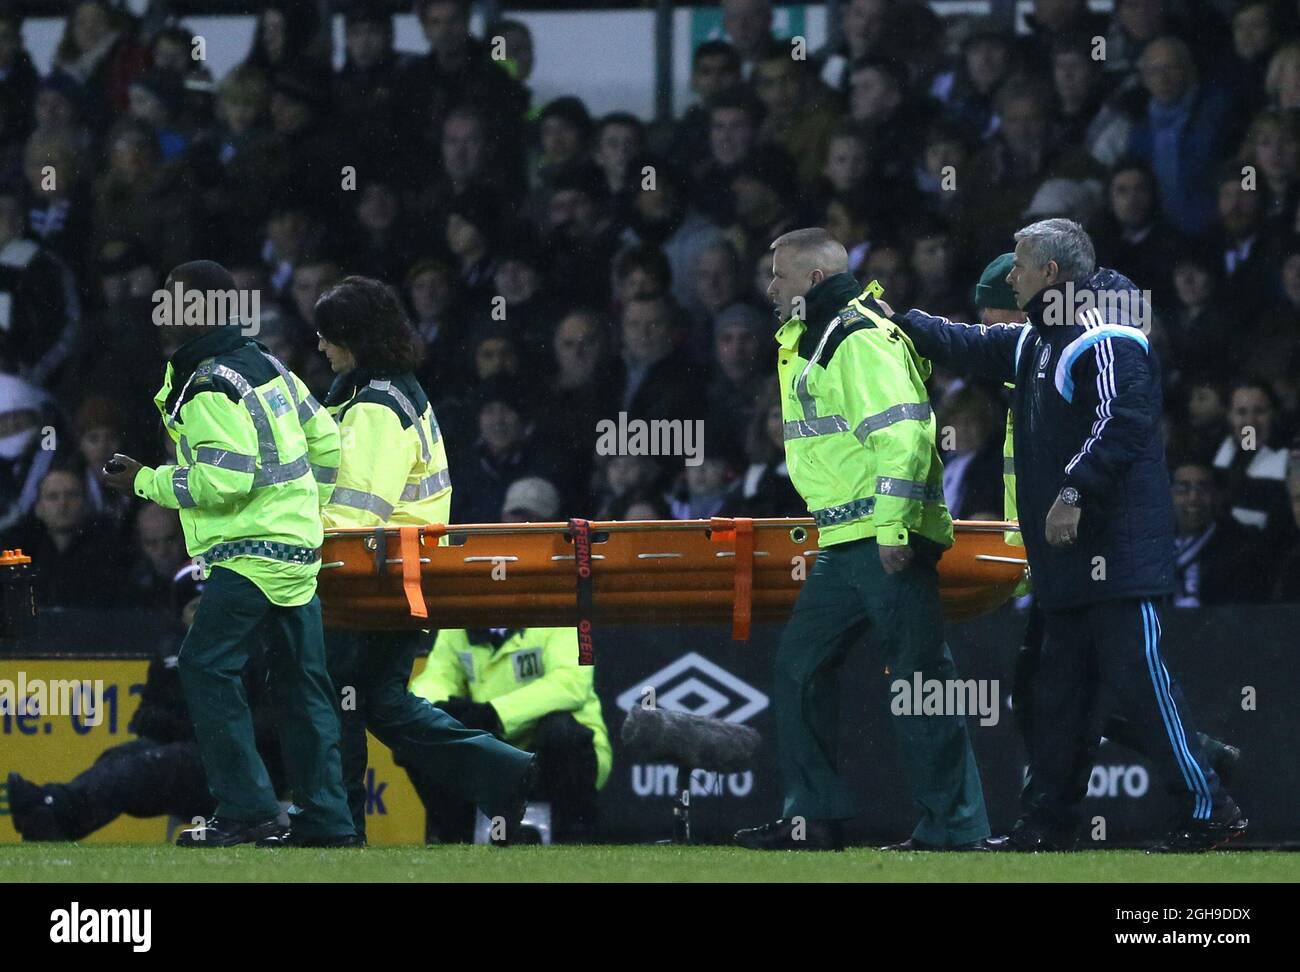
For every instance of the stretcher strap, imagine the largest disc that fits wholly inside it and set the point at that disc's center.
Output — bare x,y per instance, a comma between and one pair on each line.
740,532
580,530
410,539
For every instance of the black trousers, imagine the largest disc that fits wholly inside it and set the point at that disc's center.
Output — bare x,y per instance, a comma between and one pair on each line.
1100,668
566,761
141,778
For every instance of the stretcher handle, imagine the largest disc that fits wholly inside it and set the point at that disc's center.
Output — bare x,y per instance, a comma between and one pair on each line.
739,531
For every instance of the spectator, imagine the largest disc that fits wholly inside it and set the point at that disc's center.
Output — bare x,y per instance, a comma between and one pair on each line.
641,505
530,500
659,380
138,197
159,556
1282,82
1217,560
581,237
662,217
748,26
798,115
1273,147
367,88
76,560
765,489
702,488
1255,467
431,297
715,68
619,146
622,476
40,310
27,442
863,35
739,337
60,207
1133,235
970,440
1187,124
966,92
18,81
287,34
503,452
98,427
99,51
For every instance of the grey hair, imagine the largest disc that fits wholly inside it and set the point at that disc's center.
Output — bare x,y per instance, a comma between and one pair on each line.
1062,240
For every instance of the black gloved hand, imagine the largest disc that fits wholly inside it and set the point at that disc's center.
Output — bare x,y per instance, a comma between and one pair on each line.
472,715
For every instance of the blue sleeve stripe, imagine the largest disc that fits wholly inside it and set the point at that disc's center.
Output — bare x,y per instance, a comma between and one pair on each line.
1065,365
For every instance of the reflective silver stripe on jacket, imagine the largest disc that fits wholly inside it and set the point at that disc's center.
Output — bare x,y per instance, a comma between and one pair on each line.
307,407
855,510
325,474
358,500
1008,465
919,411
223,459
427,486
806,401
282,472
907,489
184,448
266,447
272,470
181,486
271,549
408,410
806,428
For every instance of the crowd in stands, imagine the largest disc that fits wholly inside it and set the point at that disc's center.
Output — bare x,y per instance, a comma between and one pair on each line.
562,267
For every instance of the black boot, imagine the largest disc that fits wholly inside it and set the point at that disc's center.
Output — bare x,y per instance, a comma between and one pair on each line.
217,833
794,833
1190,836
36,811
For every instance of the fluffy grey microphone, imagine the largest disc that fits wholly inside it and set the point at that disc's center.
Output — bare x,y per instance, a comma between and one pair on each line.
697,742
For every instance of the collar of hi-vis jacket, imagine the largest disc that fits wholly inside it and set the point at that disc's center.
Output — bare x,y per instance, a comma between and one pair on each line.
349,384
483,636
821,304
181,365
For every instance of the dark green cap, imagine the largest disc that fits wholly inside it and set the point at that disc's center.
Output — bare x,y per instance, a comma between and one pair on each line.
993,292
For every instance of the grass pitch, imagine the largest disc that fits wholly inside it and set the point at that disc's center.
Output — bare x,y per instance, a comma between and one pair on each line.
619,863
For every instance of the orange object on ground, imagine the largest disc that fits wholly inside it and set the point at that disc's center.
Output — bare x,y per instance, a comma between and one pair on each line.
645,572
8,557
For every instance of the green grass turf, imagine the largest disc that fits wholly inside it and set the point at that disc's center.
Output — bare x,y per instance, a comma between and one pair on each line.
95,863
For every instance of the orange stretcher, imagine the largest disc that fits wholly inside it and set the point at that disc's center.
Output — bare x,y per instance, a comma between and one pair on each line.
721,571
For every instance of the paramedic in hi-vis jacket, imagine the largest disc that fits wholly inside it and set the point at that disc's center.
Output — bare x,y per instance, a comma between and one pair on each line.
860,447
254,452
393,471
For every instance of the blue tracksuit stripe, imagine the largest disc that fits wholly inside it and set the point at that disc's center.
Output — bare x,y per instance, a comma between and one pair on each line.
1187,765
1199,774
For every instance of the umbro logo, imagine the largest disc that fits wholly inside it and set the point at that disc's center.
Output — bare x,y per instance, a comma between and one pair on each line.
695,685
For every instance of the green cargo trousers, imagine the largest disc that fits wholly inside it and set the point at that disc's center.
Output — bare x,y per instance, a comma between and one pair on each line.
376,666
847,594
232,614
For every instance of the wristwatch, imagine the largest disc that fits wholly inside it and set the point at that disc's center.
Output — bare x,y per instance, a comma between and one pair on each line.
1070,496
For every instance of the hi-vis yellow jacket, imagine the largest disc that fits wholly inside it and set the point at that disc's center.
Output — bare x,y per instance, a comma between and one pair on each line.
533,673
257,457
394,462
859,430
